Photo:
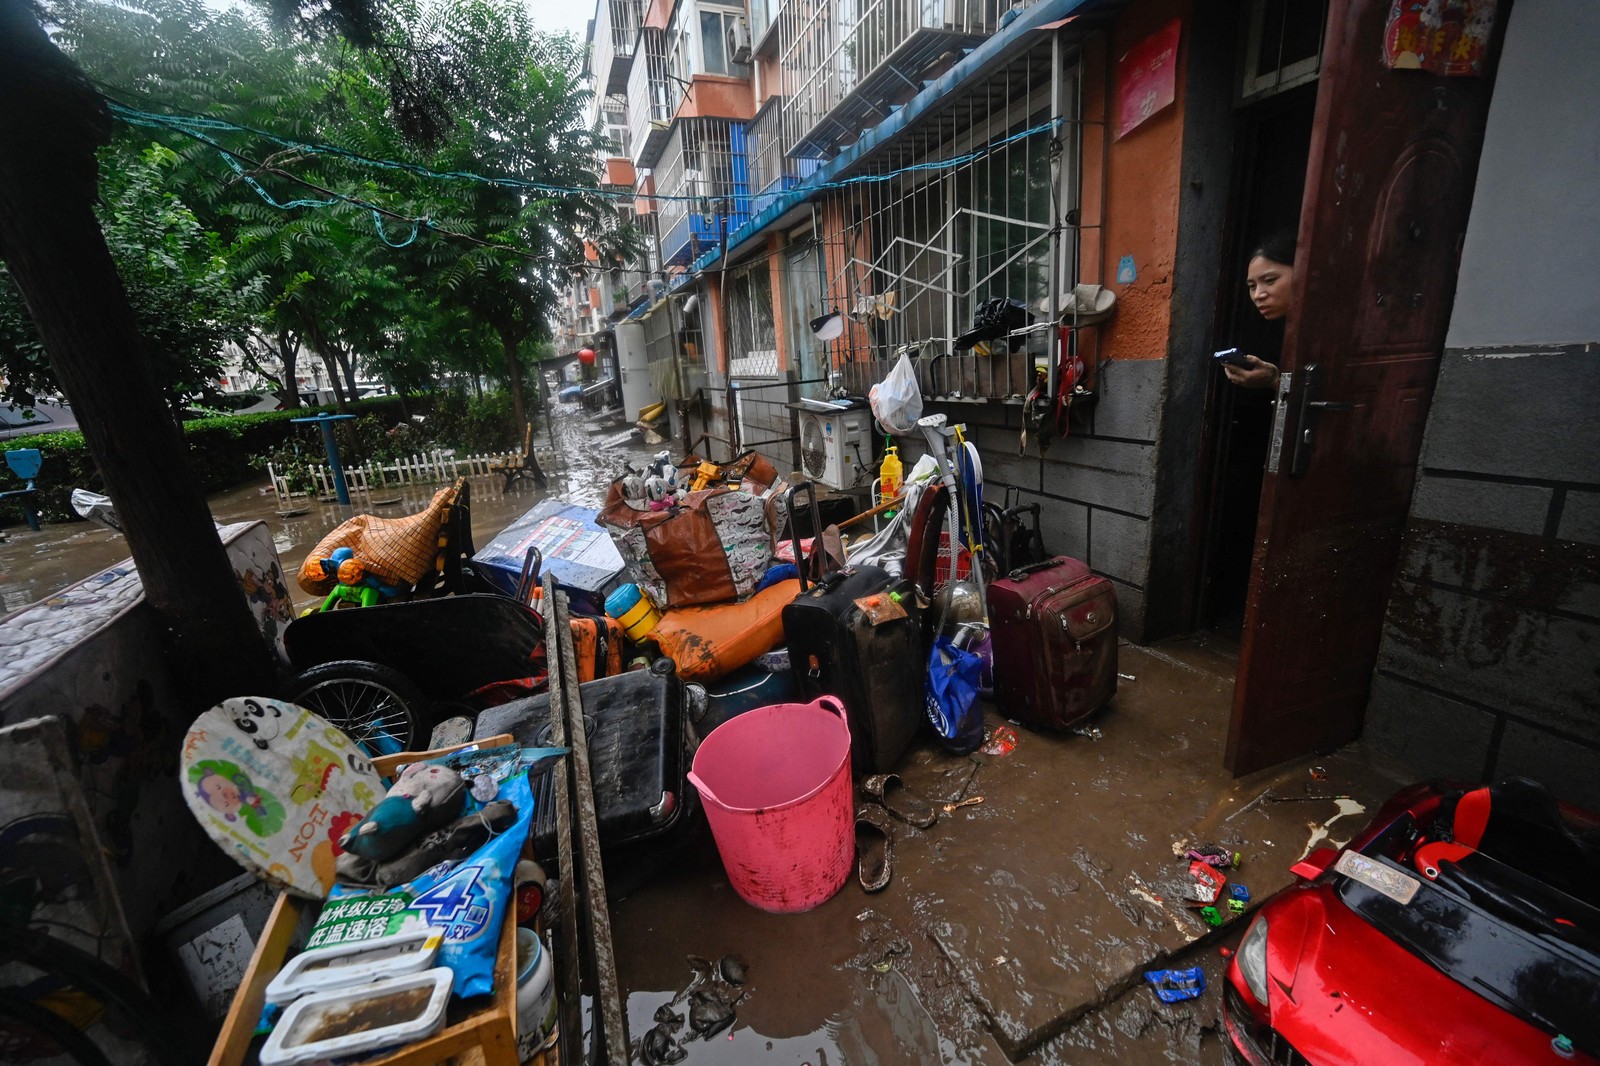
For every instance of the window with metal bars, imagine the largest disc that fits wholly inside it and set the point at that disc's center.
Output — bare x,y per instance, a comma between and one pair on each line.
753,336
911,260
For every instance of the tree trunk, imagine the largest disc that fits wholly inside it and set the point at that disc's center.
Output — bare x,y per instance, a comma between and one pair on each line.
508,342
348,366
50,126
289,355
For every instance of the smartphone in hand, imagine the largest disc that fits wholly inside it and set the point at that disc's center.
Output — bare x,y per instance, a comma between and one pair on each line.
1231,356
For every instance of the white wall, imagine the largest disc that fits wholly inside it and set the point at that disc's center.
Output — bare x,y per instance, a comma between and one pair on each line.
1530,269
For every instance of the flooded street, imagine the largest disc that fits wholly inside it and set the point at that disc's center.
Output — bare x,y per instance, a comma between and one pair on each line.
1017,928
588,454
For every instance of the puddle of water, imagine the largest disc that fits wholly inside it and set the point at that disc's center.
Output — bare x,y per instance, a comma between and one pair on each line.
588,454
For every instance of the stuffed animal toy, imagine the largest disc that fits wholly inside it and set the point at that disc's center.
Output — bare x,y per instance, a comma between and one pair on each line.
453,843
426,797
657,492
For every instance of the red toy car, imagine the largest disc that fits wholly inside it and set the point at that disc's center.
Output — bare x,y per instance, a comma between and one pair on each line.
1461,926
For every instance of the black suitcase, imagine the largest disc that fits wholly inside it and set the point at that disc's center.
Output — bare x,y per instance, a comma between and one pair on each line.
638,756
877,670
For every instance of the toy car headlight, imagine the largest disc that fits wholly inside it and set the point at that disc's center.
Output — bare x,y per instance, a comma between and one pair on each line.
1252,960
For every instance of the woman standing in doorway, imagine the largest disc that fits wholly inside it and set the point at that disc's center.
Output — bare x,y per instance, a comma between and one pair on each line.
1269,280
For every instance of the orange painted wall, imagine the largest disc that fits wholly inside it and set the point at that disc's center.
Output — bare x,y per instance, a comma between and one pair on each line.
713,96
619,171
1141,184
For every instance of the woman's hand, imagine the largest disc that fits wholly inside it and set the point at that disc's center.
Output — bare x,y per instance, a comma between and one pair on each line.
1260,374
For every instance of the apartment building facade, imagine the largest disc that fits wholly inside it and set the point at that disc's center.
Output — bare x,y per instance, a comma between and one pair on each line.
894,167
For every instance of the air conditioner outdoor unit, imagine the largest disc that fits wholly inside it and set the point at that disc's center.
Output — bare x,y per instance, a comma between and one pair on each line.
739,40
834,445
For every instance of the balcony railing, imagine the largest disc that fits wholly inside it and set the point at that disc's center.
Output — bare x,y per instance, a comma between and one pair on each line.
616,28
846,63
703,180
772,171
652,98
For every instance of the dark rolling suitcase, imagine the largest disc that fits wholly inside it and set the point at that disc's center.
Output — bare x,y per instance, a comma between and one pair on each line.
876,669
638,756
1054,627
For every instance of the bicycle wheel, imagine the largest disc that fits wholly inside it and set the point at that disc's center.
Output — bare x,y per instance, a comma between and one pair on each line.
375,706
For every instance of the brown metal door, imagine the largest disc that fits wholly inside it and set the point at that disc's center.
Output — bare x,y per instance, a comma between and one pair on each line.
1394,155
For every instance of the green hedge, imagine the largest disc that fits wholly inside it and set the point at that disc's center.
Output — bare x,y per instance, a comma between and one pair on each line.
222,453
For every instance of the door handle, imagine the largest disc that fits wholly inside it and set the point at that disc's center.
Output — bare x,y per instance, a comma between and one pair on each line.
1312,407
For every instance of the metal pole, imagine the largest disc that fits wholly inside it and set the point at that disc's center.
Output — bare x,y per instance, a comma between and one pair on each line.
1053,338
341,490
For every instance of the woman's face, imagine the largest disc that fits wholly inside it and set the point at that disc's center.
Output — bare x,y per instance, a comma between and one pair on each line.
1269,282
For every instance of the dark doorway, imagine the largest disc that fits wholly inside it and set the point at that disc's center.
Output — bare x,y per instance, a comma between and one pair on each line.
1272,140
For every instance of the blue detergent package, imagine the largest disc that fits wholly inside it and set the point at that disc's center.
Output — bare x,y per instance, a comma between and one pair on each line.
465,901
1174,986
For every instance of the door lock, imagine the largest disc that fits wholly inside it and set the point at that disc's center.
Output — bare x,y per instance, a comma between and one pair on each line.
1312,407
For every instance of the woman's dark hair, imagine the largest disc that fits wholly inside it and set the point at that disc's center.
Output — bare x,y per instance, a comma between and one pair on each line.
1277,246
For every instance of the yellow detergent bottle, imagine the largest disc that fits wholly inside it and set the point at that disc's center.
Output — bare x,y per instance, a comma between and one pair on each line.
891,474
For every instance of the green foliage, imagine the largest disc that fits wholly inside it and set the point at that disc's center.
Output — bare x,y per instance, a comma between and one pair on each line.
183,296
477,425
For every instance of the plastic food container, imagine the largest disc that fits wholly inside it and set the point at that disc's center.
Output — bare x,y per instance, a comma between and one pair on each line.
633,611
350,1021
536,993
342,965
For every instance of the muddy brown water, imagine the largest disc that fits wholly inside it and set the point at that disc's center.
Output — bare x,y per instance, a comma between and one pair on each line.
837,986
588,454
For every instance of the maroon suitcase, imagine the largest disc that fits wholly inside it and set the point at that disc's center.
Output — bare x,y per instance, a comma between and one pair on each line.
1054,626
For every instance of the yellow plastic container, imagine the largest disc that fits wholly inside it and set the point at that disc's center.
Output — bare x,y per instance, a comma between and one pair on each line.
633,611
891,474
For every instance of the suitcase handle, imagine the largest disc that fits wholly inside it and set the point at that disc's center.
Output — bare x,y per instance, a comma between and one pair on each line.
800,561
1032,568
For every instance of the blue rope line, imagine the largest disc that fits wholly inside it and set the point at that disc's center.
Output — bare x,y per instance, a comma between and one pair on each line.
191,125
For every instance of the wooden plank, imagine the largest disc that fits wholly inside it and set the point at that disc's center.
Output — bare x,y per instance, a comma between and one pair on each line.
386,765
569,960
612,1019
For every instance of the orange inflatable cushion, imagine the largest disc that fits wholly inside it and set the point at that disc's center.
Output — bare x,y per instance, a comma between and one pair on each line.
708,642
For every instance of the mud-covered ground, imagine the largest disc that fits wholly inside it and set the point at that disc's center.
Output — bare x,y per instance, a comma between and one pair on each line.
1014,930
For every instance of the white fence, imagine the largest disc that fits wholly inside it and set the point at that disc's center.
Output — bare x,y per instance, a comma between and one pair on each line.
430,468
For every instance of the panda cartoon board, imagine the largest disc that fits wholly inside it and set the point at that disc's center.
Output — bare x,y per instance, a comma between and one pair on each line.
276,787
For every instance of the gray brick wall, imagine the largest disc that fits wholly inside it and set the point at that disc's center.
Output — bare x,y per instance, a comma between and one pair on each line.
1490,661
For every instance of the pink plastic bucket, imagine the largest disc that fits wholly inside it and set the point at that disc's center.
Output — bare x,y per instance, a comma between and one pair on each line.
776,785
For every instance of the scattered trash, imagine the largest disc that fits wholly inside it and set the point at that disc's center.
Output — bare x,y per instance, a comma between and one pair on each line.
1127,677
1214,855
968,802
1319,773
1175,986
1003,741
1090,731
1206,874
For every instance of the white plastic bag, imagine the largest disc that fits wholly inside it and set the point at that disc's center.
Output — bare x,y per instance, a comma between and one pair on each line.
897,399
